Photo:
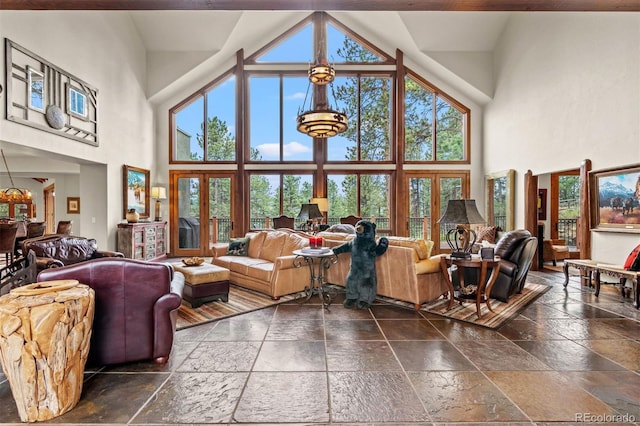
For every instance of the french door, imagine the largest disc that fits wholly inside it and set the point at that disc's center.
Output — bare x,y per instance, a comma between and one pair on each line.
201,211
428,194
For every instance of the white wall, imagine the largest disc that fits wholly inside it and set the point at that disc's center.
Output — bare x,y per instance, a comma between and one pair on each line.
103,49
567,89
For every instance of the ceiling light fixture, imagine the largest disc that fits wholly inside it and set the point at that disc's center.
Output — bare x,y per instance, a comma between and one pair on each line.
320,120
13,194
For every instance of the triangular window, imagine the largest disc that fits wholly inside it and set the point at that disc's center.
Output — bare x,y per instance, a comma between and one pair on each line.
343,48
297,47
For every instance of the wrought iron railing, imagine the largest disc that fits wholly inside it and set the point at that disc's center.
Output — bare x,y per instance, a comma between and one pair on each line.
568,231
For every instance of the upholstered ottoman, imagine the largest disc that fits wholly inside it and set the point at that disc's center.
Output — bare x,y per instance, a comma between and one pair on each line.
204,283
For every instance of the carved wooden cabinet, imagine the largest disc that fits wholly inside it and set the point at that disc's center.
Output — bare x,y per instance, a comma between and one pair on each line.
144,241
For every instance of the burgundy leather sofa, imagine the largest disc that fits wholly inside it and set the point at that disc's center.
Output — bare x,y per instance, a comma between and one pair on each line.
136,307
56,250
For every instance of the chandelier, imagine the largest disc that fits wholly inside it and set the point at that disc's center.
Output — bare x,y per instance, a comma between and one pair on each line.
321,121
13,194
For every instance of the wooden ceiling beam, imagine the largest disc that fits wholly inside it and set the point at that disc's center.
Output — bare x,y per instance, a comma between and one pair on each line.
370,5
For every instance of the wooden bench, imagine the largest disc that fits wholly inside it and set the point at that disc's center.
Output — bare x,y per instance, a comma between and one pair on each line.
592,269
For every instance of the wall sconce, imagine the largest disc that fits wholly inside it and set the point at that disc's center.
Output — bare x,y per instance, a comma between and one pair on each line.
159,193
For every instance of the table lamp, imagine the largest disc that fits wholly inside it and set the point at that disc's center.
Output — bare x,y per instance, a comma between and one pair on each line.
159,193
310,213
323,205
461,238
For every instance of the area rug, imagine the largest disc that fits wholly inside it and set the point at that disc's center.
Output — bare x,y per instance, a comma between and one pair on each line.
241,301
503,312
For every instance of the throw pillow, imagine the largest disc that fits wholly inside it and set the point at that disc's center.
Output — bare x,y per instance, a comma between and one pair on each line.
238,247
633,260
486,233
342,227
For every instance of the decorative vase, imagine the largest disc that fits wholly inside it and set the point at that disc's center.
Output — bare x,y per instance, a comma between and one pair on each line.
132,216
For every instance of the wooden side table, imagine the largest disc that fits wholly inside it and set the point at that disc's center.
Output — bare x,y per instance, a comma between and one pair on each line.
482,290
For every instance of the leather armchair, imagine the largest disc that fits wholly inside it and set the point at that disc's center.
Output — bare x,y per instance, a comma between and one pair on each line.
136,307
516,250
554,250
54,251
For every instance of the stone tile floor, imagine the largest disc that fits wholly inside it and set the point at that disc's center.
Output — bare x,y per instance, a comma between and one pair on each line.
569,357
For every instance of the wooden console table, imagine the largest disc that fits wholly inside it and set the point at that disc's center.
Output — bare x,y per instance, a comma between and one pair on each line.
590,268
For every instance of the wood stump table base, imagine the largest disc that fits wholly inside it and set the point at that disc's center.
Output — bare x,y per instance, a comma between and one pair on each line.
45,330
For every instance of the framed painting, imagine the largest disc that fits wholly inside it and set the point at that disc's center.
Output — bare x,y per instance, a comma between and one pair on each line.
615,199
136,193
73,205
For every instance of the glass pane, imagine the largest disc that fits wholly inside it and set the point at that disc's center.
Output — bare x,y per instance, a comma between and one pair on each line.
264,199
188,213
374,199
36,89
4,210
449,132
342,95
420,219
221,122
450,189
342,48
375,118
342,196
500,202
189,143
219,209
418,118
264,118
568,208
296,190
297,146
296,48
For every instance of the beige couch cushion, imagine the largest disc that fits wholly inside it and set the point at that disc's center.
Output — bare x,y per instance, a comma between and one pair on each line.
294,242
255,244
272,245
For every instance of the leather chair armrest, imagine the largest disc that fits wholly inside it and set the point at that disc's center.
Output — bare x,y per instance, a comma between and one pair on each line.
177,283
165,314
509,268
107,253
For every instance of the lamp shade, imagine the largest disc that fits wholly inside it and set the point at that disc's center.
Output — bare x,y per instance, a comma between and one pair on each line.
461,212
309,212
159,192
323,203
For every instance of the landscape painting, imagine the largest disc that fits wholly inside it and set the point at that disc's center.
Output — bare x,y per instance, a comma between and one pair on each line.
135,191
616,199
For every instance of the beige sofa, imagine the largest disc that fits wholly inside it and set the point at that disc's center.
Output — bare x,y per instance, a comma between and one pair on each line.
406,271
269,265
